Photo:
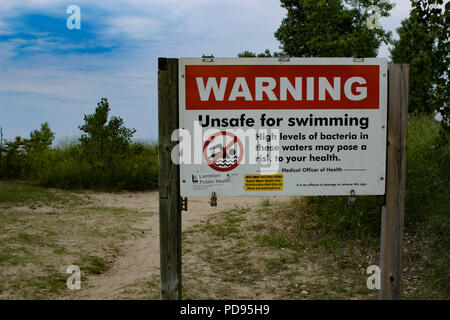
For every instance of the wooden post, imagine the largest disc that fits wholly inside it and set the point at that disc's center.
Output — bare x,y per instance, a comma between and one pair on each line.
394,209
169,181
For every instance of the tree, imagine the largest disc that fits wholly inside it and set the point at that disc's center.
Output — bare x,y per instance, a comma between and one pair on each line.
331,28
265,54
40,140
104,141
12,164
424,45
21,157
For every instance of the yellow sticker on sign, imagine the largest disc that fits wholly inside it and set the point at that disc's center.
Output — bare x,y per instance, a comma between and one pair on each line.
263,182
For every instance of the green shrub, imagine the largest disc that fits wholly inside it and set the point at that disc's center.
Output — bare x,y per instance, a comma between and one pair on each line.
362,221
65,168
68,168
427,172
427,195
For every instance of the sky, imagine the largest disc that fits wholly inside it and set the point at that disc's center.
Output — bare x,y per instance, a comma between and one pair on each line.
51,73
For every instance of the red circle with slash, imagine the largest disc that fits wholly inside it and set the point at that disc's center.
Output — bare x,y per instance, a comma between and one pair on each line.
212,163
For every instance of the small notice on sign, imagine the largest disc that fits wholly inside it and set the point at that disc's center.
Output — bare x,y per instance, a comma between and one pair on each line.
263,182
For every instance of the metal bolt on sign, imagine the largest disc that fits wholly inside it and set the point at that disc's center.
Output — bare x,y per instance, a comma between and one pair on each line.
184,204
209,58
352,199
213,200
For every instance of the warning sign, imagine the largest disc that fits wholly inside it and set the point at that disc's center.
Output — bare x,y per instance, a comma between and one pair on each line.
282,127
263,182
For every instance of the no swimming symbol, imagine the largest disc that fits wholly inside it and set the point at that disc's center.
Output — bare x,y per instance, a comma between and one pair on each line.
223,151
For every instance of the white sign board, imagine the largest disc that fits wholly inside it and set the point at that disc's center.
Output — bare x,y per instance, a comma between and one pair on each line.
298,126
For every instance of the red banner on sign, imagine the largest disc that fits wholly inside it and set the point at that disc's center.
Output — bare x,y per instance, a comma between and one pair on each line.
216,87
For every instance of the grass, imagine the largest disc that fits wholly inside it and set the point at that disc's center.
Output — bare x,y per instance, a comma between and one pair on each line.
38,245
142,290
427,214
281,262
230,227
285,252
267,256
266,203
337,265
21,193
428,203
277,240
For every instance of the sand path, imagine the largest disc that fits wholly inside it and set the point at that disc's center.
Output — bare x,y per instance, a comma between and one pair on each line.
140,260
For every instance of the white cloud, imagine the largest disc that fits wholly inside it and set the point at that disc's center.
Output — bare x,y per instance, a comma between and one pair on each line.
134,27
15,7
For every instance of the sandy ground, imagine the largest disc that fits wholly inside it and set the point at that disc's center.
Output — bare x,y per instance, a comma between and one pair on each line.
141,258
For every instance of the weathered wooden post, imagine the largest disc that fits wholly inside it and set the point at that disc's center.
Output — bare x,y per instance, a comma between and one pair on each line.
169,181
394,210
